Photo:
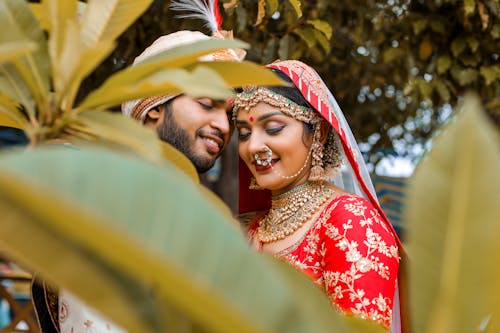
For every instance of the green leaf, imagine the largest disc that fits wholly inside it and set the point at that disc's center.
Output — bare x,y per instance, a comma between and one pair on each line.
12,19
163,82
75,63
188,53
426,88
128,80
438,26
464,76
272,6
147,248
452,214
469,7
307,35
10,115
443,64
458,46
473,43
238,74
38,10
18,20
419,26
36,213
323,41
10,51
58,13
284,47
269,52
495,31
470,60
392,54
182,163
441,88
105,20
30,27
296,4
12,85
122,130
322,26
490,73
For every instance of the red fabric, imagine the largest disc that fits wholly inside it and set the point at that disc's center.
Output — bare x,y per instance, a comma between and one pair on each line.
352,255
218,17
250,200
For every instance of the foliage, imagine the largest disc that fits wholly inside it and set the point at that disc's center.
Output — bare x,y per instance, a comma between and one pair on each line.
40,77
453,228
168,261
139,250
392,65
142,260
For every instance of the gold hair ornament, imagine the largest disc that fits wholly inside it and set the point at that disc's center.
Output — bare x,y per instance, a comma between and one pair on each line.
252,95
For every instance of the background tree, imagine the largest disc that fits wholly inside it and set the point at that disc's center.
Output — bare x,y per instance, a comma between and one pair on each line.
396,67
393,65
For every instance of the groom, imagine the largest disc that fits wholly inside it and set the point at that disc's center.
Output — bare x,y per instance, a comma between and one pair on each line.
197,126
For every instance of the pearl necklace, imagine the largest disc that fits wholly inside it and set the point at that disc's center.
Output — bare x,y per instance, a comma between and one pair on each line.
290,210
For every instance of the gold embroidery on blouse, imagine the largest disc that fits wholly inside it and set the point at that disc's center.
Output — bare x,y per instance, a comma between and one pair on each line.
340,284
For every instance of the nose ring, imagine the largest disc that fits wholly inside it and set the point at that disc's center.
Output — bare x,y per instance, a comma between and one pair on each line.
268,154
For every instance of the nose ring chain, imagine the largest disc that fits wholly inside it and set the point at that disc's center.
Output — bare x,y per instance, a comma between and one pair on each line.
268,155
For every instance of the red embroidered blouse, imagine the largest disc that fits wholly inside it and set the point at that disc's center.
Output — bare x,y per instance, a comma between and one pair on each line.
351,254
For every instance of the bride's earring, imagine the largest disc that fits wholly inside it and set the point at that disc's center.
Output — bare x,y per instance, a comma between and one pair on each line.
317,172
253,184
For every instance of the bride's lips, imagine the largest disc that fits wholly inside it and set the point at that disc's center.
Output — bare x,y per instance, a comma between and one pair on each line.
262,168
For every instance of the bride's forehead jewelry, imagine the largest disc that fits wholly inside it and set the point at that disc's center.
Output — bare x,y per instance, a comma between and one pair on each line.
252,95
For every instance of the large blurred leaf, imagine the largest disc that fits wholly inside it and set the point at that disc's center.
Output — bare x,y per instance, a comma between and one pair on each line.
13,50
57,13
453,220
105,20
21,24
179,160
146,247
10,115
12,85
237,74
122,130
162,82
85,45
77,61
129,81
296,5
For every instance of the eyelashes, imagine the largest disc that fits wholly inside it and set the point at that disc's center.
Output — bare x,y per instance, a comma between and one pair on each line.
245,133
274,130
205,106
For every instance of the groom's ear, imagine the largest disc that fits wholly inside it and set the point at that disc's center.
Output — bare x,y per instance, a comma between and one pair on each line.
154,116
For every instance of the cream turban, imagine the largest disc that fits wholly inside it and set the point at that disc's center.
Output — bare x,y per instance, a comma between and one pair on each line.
139,108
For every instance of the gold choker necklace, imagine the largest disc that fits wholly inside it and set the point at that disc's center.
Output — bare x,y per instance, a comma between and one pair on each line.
290,210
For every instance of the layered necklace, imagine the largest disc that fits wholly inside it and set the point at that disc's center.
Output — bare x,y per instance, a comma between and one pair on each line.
290,210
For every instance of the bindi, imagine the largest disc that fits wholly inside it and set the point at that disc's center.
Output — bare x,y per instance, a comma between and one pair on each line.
251,119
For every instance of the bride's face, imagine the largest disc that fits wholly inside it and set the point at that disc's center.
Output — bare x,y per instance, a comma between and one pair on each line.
265,125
